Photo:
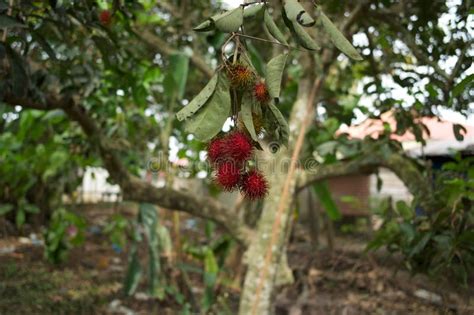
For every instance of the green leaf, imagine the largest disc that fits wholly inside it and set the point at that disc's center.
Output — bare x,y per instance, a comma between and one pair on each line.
20,218
324,195
206,26
338,39
209,121
211,270
246,111
134,272
283,130
300,34
461,86
8,21
31,208
20,77
199,100
404,210
458,131
44,44
4,209
274,74
229,21
179,65
148,217
420,245
296,13
253,10
273,28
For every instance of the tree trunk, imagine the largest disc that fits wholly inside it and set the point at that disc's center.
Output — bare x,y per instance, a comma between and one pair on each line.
266,256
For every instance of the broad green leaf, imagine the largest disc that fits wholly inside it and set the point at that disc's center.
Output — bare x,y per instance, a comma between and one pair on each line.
283,129
207,25
253,10
19,74
274,74
256,58
229,21
461,86
420,245
199,100
273,28
43,43
8,21
134,272
246,111
211,270
20,218
149,220
404,210
324,195
31,209
300,34
338,39
209,121
178,69
4,209
296,13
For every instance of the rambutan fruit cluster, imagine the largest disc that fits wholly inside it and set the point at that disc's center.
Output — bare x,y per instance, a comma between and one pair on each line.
105,17
260,92
228,155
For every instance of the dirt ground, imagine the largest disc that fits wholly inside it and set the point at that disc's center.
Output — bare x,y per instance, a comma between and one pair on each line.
343,281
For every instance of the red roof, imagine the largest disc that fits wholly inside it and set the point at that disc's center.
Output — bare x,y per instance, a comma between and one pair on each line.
439,129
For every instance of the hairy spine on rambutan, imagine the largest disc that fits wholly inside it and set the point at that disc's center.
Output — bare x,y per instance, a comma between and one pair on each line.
240,76
228,175
254,185
216,150
260,92
238,146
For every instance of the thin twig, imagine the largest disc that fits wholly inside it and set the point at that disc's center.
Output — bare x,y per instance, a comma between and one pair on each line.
267,41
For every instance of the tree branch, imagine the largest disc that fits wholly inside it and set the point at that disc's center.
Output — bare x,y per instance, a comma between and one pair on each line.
156,43
133,188
406,170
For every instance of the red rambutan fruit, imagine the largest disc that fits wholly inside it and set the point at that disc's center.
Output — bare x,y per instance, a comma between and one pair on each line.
216,150
228,175
238,146
260,92
105,17
254,185
240,76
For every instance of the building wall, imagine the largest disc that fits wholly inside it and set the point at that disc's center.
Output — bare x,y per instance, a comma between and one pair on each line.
351,194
